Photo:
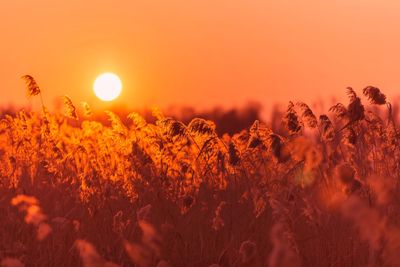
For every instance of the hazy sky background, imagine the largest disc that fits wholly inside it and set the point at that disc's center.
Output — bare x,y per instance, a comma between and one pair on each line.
201,53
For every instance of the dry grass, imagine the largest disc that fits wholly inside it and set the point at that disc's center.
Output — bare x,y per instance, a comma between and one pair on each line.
325,193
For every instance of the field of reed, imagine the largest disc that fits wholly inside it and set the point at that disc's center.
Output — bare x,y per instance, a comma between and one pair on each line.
319,190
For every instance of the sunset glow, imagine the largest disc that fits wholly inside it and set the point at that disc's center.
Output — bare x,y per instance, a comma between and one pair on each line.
199,133
107,86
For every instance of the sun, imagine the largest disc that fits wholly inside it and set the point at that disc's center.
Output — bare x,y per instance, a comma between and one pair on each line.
107,86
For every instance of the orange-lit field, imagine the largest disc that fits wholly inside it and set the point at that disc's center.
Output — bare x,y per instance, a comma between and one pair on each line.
314,190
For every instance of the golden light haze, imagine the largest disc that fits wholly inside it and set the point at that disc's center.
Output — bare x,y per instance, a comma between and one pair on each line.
199,52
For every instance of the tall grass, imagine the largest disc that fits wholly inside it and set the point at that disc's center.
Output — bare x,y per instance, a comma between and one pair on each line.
322,191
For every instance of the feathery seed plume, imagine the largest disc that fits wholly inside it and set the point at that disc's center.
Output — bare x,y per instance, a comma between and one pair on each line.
70,110
32,86
374,95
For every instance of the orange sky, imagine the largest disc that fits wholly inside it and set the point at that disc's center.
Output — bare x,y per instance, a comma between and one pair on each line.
201,53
